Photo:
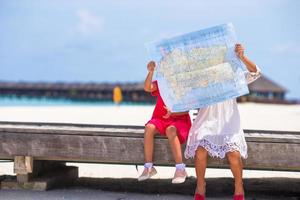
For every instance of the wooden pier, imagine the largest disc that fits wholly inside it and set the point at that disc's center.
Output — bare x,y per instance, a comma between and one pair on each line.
131,92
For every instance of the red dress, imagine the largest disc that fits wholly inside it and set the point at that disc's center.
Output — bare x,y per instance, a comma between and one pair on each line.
182,122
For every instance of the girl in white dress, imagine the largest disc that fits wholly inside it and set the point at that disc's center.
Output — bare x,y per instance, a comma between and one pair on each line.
217,132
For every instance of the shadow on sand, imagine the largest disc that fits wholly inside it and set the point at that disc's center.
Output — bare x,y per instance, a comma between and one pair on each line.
255,188
216,187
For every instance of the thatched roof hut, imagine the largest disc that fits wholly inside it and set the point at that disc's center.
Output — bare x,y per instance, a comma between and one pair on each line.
266,89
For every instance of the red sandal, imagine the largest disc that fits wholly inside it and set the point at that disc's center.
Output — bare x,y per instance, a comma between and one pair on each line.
239,197
199,197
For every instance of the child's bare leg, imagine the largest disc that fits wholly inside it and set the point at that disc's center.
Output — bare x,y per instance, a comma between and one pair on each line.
200,167
180,173
150,132
236,166
171,133
149,170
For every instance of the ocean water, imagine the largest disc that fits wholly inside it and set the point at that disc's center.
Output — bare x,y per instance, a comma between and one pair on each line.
27,101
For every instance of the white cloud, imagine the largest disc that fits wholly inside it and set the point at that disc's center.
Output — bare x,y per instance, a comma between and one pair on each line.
88,22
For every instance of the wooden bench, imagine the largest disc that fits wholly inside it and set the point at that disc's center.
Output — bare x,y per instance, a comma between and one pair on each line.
39,147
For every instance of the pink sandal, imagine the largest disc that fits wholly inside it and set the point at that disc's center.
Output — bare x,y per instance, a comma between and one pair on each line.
239,197
199,197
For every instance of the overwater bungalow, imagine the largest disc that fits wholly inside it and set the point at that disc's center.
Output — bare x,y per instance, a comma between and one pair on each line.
263,90
266,91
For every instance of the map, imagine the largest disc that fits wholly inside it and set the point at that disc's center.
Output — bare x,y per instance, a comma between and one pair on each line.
198,69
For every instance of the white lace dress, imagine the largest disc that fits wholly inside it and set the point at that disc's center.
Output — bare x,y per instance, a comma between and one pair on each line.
217,128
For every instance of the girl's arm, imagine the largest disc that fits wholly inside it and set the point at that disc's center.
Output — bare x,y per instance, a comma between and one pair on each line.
148,86
251,66
169,113
253,71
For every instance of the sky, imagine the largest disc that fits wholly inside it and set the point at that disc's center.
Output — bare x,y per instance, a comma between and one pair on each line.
104,41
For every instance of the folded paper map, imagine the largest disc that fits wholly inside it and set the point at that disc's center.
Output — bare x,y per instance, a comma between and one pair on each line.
198,69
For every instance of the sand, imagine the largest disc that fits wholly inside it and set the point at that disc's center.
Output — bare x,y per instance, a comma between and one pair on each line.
253,116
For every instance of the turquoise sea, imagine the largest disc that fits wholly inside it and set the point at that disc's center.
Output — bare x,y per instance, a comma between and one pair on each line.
26,101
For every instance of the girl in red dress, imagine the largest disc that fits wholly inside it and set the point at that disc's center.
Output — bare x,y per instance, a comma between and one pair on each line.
174,126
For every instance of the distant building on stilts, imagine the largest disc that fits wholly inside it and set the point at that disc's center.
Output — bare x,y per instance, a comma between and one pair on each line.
266,91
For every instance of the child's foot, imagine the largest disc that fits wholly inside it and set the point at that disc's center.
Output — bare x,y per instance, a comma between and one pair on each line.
239,197
147,173
201,189
179,176
238,189
199,197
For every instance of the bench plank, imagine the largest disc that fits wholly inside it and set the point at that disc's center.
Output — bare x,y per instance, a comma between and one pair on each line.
124,145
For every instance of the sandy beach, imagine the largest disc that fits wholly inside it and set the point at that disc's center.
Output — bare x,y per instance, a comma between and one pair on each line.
254,116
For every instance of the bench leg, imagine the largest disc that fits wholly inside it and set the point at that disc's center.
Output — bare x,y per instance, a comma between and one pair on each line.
23,167
39,175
